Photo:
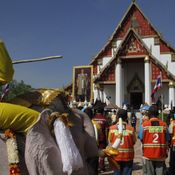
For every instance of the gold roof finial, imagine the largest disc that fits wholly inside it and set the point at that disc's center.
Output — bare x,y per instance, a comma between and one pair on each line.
133,1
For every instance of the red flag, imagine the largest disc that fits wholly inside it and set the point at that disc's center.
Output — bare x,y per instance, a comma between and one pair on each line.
157,85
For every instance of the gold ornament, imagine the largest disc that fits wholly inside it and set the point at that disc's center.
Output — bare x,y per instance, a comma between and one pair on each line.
110,151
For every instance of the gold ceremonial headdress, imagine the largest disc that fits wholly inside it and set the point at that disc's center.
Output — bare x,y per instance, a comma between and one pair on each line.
48,95
39,97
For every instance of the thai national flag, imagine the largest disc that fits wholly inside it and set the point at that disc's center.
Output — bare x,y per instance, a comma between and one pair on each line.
5,92
157,85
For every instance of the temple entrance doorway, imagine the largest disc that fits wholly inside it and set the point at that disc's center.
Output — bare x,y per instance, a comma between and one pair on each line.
136,99
136,92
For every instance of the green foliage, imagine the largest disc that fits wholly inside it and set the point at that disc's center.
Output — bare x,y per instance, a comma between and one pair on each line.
163,117
16,88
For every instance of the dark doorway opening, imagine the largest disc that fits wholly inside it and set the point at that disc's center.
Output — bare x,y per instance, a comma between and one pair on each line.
136,99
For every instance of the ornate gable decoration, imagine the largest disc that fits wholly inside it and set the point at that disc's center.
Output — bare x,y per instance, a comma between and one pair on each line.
133,47
135,19
109,74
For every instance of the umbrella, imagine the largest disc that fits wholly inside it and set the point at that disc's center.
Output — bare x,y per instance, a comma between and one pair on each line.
111,106
98,105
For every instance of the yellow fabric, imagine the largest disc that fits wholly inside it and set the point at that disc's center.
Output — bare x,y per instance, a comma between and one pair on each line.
21,102
17,118
6,67
96,124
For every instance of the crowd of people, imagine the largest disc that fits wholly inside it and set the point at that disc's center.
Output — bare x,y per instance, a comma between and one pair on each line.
115,136
157,139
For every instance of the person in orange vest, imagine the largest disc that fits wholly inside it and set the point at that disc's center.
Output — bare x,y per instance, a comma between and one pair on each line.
126,147
155,138
172,144
100,120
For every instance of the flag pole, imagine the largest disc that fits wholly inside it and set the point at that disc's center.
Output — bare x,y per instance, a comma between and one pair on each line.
162,106
162,95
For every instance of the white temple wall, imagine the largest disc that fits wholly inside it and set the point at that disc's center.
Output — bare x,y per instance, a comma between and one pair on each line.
123,85
118,43
166,59
95,92
149,42
109,91
105,61
155,49
163,58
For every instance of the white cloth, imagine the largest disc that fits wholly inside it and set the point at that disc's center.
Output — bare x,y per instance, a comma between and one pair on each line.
70,155
118,140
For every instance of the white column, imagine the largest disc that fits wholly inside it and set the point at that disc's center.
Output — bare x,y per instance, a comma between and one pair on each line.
171,93
101,95
147,81
95,90
118,86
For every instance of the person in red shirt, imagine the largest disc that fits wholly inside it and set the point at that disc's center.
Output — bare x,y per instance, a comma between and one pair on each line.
101,120
126,148
172,144
154,139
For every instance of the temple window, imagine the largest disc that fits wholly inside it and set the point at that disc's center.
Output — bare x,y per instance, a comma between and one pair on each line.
100,62
173,56
156,41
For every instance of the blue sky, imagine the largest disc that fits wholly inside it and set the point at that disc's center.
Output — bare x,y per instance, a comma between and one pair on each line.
75,29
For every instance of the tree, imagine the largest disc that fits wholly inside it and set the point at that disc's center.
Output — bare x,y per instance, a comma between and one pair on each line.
16,88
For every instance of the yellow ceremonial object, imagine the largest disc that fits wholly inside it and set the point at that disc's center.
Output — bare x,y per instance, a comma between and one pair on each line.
6,66
96,124
42,97
20,101
17,118
61,116
110,151
48,95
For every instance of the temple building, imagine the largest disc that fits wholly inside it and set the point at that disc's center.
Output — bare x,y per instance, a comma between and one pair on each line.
126,68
